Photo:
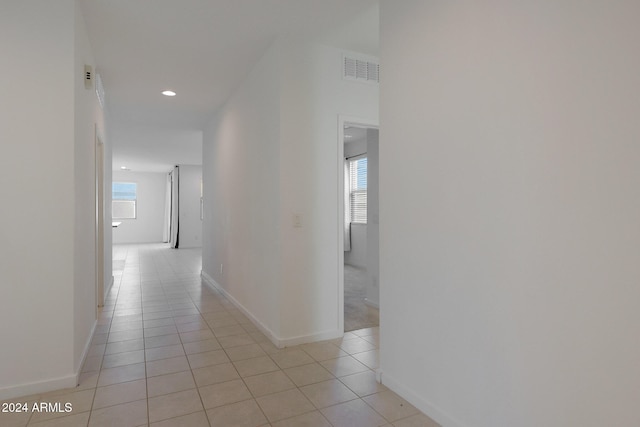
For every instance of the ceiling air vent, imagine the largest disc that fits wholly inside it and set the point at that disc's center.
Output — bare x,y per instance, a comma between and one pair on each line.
361,70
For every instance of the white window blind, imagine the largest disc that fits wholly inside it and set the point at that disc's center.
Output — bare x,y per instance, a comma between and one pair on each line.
358,189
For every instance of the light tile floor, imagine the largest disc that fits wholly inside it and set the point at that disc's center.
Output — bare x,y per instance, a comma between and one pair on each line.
169,351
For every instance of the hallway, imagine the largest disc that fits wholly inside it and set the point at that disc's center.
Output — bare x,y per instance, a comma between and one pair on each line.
169,351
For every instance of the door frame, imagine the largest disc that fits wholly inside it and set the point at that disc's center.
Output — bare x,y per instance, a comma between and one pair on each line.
99,229
342,121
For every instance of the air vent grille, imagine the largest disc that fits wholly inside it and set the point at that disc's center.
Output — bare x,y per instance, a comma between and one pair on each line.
361,70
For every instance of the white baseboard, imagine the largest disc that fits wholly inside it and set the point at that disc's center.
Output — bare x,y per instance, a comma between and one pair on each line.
85,352
423,405
106,291
263,328
276,340
39,387
303,339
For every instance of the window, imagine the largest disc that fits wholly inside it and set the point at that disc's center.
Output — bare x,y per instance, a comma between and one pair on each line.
124,200
358,189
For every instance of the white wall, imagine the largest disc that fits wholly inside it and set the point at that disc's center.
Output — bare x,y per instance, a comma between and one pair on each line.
88,121
241,238
314,95
509,288
271,154
147,227
47,138
190,222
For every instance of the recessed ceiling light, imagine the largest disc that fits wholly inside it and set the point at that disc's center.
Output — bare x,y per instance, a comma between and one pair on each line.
123,167
168,93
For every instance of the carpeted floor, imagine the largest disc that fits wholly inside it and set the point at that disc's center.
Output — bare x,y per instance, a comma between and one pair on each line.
357,315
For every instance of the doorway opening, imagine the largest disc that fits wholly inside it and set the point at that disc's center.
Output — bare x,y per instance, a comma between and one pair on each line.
359,240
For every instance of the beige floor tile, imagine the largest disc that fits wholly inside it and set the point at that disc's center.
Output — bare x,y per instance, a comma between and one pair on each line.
167,352
80,402
92,364
354,413
271,382
125,335
356,345
202,346
390,405
373,339
221,352
235,341
75,420
291,358
15,419
368,358
241,414
308,374
174,405
259,337
158,315
224,393
162,341
126,326
121,359
346,337
255,366
285,404
99,339
193,326
158,322
87,380
363,383
121,374
215,374
186,312
131,414
187,337
165,384
123,346
225,331
167,366
344,366
328,393
96,350
160,330
245,352
120,393
215,357
419,420
269,348
367,332
323,351
197,419
179,320
310,419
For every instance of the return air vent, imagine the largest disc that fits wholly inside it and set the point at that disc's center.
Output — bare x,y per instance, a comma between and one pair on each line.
361,70
88,77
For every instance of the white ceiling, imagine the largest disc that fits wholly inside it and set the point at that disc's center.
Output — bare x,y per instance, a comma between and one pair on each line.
202,49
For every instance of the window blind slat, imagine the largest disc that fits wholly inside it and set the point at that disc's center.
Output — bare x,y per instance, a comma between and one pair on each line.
358,194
